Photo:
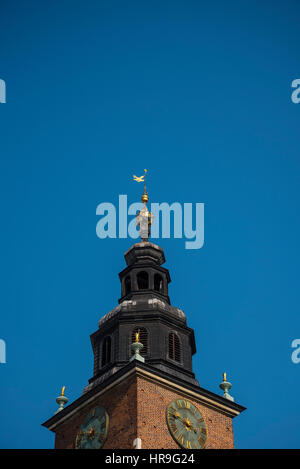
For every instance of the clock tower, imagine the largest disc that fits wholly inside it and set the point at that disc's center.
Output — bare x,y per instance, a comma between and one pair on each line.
143,392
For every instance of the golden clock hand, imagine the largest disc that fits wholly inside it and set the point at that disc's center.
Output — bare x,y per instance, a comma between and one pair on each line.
188,423
185,421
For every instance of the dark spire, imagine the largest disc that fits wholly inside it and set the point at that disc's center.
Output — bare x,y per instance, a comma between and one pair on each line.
144,308
144,311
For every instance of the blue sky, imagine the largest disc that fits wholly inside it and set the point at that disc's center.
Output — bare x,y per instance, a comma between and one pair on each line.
200,94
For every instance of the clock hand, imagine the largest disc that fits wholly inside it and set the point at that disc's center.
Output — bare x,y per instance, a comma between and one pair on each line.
186,422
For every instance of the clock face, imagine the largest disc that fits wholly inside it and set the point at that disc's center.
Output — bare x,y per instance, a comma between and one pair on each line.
93,431
186,424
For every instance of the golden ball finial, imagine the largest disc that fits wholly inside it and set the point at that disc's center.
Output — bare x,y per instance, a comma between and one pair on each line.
145,198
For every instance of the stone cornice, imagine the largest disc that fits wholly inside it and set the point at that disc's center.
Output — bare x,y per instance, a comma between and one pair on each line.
136,369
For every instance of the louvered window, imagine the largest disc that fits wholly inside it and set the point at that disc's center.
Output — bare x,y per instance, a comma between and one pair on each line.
158,282
174,347
106,351
143,338
142,281
127,283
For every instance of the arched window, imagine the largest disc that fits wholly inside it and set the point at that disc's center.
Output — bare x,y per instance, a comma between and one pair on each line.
143,338
142,280
174,347
158,283
106,351
127,284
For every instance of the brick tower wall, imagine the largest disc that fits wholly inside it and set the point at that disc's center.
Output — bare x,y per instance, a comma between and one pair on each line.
120,403
137,409
152,400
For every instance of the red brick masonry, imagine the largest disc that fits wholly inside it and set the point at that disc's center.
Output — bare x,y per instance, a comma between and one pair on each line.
136,406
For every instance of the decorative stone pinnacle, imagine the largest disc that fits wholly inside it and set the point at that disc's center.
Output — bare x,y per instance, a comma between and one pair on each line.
226,386
136,347
61,400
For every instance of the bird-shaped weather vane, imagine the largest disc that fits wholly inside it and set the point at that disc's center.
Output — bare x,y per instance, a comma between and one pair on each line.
139,179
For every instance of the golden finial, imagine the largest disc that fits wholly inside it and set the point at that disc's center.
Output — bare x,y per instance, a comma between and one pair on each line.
137,337
145,197
61,400
226,386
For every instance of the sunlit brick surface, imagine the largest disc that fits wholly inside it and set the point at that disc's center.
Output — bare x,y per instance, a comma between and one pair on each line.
137,409
152,428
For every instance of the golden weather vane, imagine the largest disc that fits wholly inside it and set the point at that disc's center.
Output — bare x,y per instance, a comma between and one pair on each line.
142,178
139,179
